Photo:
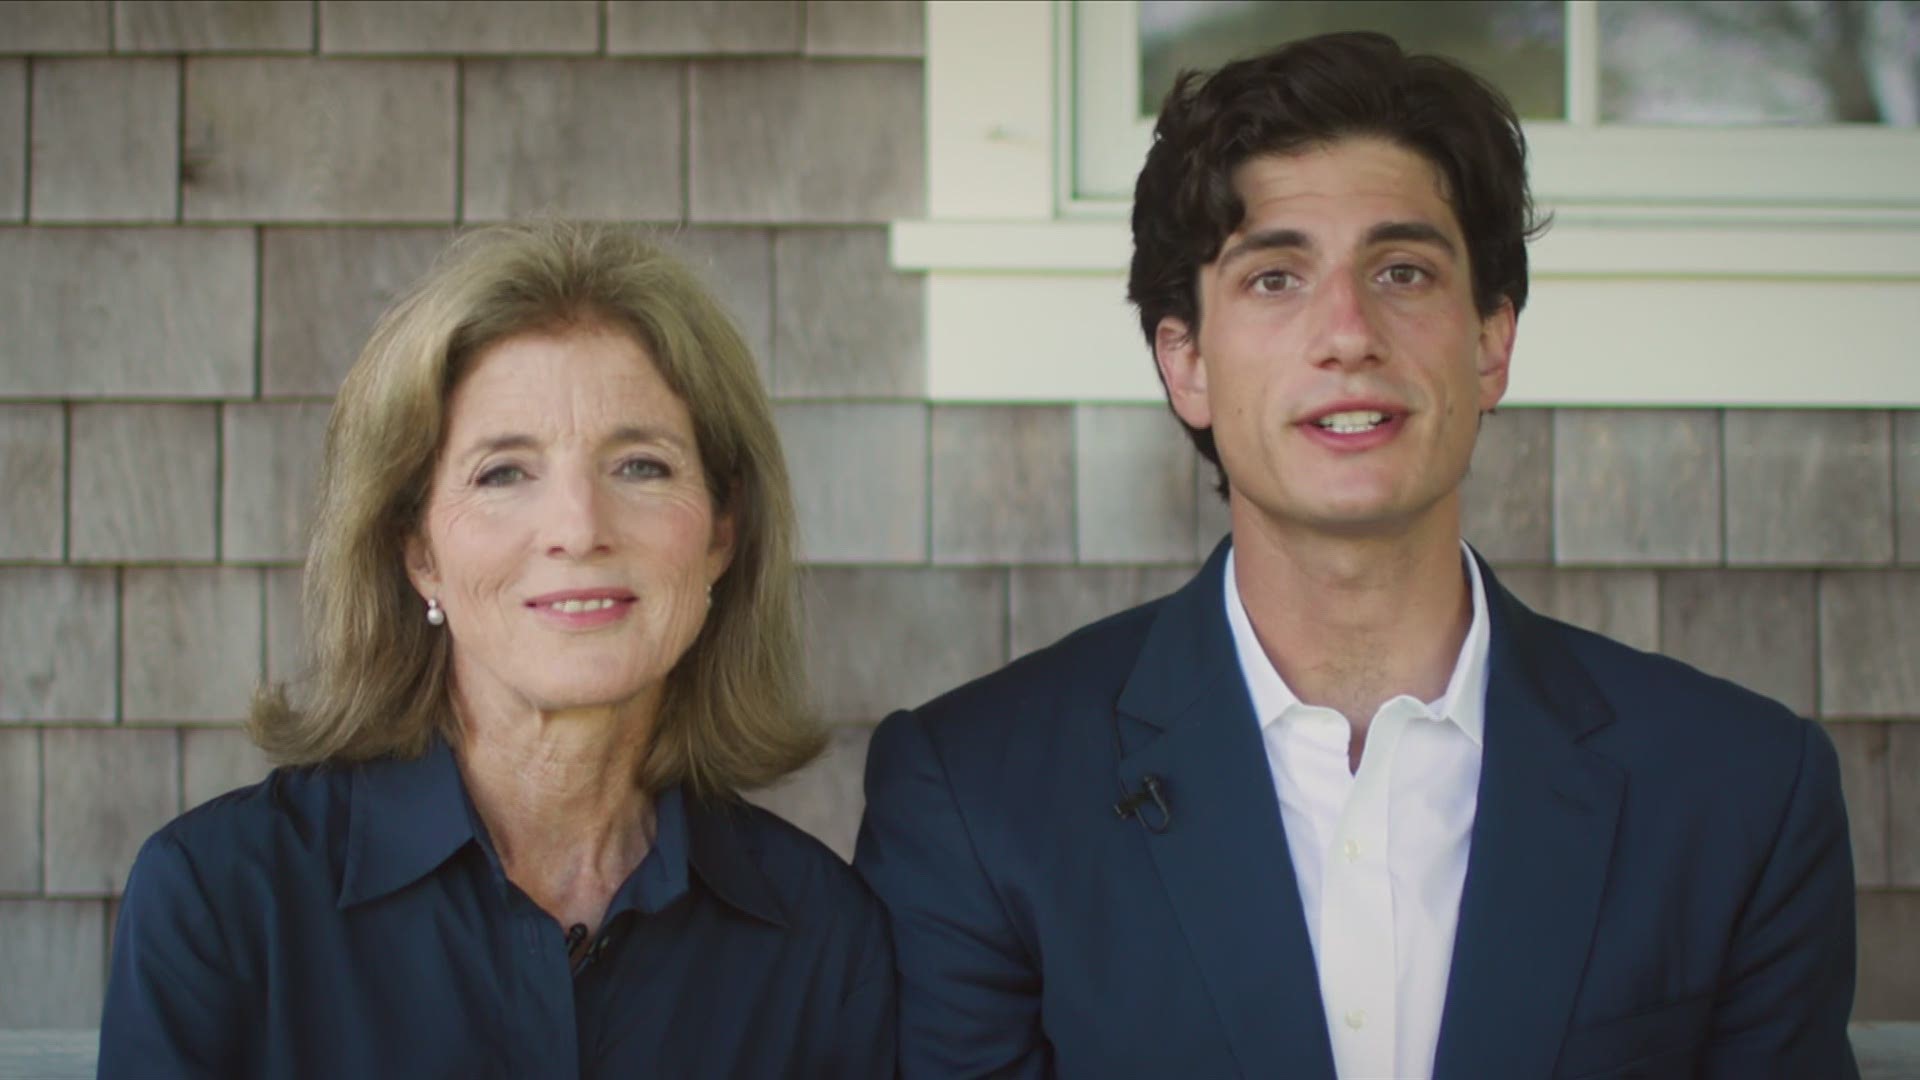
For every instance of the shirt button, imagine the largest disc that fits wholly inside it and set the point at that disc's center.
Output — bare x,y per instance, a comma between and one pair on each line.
1356,1018
1351,849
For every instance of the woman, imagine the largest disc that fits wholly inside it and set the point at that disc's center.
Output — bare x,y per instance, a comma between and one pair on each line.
549,598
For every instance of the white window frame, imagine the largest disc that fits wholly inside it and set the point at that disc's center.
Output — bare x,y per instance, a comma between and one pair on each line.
1651,289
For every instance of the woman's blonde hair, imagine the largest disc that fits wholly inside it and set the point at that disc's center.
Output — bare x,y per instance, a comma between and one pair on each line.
731,715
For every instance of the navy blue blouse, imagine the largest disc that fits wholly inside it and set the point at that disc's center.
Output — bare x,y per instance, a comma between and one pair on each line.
356,922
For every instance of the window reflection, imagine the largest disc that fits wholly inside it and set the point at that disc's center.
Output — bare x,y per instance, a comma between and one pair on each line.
1518,44
1775,62
1684,62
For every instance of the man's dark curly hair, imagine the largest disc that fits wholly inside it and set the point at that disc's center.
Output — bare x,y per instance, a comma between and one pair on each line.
1309,93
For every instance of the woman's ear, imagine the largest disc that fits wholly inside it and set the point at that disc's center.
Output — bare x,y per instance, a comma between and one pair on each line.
721,545
420,567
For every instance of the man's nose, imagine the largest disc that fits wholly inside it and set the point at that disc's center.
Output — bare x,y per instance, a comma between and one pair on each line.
1346,329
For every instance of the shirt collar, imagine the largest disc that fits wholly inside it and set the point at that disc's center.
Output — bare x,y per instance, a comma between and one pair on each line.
661,877
1463,702
695,840
407,817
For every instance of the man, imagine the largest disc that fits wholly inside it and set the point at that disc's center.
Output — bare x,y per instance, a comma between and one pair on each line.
1342,806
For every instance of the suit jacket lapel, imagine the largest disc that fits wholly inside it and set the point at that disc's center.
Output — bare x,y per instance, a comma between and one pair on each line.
1542,840
1187,721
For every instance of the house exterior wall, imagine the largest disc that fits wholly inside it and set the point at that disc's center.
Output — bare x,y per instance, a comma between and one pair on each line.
203,206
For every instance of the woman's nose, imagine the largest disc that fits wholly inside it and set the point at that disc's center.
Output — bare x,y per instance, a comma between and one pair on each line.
575,516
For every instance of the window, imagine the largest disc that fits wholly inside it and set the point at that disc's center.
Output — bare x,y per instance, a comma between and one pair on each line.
1658,61
1795,62
1520,44
1780,108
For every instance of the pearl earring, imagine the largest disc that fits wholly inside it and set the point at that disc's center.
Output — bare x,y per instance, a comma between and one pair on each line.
435,616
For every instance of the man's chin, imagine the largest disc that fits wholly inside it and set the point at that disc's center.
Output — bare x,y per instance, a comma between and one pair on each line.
1357,516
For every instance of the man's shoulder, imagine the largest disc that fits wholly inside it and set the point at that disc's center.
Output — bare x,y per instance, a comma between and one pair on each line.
1628,674
1089,665
1669,716
1052,705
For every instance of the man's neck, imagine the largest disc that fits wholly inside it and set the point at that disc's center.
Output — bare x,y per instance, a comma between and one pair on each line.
1350,622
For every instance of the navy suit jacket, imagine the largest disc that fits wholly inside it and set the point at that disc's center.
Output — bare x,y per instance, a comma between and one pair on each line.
1659,885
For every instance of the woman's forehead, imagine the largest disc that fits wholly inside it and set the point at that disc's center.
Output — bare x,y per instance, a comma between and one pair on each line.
579,380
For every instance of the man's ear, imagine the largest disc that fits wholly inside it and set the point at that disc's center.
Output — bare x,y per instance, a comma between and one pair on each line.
1176,348
1496,353
420,566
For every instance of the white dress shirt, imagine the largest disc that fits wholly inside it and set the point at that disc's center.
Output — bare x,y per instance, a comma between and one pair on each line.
1380,854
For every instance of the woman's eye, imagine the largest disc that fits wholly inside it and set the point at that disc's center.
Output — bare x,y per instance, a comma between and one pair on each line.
501,476
642,469
1404,274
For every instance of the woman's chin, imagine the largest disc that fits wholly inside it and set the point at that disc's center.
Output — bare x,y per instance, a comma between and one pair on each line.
588,702
588,694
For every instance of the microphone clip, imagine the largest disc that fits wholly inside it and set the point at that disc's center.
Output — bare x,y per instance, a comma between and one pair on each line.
1134,805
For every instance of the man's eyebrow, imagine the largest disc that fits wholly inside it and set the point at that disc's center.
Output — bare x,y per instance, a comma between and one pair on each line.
1410,232
1264,240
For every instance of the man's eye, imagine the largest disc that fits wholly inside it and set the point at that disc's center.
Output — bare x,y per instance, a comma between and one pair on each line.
501,476
1404,274
1272,281
641,469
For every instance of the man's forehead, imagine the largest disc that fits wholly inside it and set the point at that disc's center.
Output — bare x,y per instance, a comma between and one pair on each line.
1358,174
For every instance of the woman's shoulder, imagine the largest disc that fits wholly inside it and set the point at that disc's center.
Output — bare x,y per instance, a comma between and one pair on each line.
811,881
287,817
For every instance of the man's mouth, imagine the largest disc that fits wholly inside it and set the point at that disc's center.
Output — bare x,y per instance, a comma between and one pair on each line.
1351,423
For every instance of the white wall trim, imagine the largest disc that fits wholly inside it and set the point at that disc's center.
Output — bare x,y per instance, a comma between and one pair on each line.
990,110
1567,249
1798,287
1590,340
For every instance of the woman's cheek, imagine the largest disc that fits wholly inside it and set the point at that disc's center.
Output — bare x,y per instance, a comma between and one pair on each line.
478,543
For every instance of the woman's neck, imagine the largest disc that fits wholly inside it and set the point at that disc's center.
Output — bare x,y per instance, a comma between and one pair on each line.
560,797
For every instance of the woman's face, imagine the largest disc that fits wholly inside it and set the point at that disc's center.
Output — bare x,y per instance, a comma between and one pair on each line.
569,535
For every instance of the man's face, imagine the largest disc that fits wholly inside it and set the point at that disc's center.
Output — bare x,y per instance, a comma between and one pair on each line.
1340,360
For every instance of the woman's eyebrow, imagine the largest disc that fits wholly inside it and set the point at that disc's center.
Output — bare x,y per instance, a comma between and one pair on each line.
496,443
633,433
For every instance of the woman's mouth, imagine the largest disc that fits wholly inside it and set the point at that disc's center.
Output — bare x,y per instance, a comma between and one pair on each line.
575,607
583,609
